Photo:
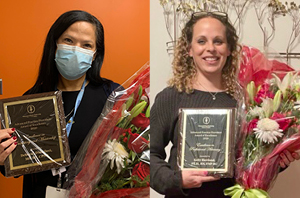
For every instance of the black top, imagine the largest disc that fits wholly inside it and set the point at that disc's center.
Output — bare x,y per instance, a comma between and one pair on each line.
164,177
90,108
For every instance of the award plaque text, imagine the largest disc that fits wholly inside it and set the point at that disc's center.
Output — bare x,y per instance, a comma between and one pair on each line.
207,140
40,131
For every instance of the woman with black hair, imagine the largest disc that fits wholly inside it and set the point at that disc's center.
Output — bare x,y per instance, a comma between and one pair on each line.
71,62
49,75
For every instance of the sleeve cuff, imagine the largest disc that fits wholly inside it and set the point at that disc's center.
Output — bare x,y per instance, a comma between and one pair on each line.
184,191
2,170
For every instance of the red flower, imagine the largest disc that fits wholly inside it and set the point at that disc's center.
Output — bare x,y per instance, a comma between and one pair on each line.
252,125
100,133
141,121
281,120
264,92
256,67
142,170
137,143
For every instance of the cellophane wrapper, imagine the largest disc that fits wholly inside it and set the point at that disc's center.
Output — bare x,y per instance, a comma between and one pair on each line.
40,129
114,159
271,122
206,140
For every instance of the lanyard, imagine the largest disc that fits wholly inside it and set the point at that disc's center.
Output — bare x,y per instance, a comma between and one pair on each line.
78,100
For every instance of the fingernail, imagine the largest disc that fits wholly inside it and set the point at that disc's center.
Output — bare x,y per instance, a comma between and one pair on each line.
205,172
15,143
14,137
13,129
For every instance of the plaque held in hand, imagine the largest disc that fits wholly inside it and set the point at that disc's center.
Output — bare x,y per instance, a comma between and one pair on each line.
40,128
206,140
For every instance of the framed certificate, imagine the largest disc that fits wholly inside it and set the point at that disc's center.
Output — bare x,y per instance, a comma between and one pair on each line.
40,130
206,140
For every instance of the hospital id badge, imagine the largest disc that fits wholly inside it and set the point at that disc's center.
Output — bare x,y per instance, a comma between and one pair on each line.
56,192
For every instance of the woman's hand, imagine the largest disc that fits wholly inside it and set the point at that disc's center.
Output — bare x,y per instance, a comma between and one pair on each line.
7,143
194,179
287,157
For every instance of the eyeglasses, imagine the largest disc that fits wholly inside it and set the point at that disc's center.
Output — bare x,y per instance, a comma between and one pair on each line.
220,15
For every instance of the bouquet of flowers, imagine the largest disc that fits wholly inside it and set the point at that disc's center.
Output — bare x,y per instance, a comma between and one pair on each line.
271,125
114,159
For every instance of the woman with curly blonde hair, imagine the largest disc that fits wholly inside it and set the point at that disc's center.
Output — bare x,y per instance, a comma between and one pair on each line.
204,76
184,67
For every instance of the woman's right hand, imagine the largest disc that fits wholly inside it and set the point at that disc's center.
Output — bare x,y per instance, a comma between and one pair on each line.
7,143
194,179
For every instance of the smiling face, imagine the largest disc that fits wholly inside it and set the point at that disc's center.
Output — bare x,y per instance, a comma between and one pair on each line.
209,47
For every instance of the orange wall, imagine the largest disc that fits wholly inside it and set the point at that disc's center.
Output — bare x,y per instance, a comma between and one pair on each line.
23,29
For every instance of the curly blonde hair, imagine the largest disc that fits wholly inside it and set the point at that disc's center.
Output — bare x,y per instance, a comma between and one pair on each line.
184,69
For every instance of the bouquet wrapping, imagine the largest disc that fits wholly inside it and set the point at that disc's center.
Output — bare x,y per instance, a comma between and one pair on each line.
114,159
271,123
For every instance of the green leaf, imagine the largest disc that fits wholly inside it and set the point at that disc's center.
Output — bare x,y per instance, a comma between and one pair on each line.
133,155
147,114
123,115
129,101
137,109
140,92
141,183
277,100
251,89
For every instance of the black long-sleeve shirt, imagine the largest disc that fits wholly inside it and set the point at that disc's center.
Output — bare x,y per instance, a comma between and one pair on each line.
90,108
165,178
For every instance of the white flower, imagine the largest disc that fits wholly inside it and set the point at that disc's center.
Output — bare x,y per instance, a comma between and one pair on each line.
115,152
267,106
268,131
296,80
288,80
257,111
145,98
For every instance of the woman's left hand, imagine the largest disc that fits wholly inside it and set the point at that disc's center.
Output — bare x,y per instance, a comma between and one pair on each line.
287,157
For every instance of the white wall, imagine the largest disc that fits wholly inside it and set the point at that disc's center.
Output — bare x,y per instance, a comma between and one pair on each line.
287,181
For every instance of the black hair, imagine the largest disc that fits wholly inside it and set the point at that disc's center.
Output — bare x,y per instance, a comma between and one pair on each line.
48,74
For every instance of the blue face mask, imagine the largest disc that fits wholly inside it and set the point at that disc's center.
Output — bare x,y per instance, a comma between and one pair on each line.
73,62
